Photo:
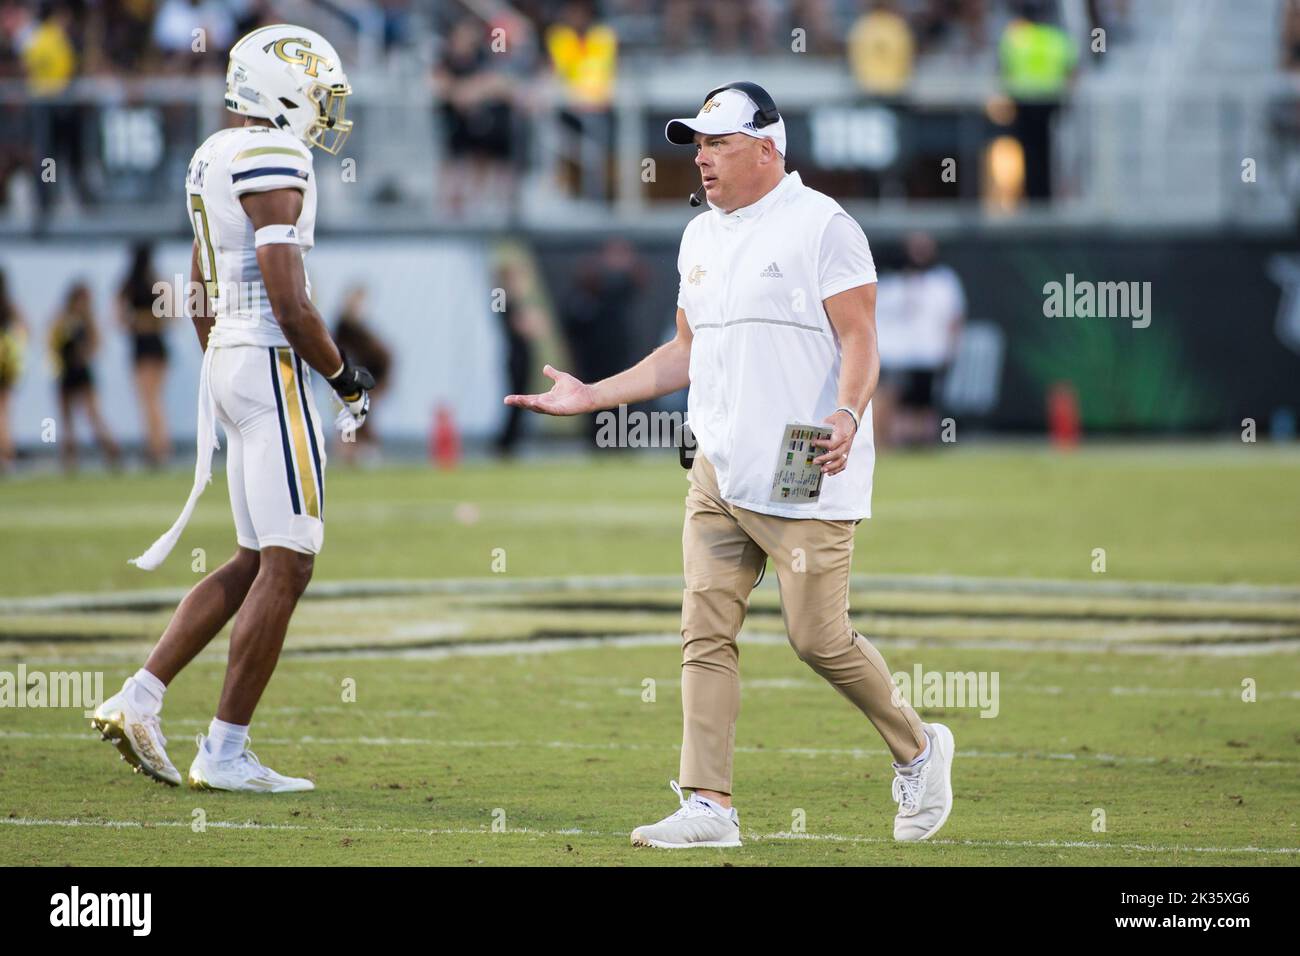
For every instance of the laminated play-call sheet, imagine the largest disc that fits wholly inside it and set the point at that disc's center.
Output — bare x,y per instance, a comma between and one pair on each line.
797,478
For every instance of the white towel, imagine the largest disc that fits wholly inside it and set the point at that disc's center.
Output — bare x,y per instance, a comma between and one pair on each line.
206,442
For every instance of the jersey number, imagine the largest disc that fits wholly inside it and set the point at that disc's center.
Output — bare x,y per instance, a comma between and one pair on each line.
207,254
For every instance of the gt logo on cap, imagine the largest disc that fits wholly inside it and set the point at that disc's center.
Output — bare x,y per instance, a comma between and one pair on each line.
708,106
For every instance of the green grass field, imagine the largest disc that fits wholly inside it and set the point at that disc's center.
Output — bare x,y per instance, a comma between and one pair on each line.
532,716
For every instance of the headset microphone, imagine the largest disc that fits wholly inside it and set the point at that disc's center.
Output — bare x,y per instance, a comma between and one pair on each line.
697,198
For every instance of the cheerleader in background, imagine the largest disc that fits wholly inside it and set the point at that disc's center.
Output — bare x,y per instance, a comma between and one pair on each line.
136,314
13,336
74,341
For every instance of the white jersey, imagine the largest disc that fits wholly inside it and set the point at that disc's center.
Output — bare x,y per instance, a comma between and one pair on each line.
764,353
230,164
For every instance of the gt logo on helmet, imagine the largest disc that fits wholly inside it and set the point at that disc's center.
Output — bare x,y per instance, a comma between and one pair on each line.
310,62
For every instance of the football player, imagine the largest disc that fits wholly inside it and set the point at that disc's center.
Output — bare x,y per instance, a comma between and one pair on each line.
251,196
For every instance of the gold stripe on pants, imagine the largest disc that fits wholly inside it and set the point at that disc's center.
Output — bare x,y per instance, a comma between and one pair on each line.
723,550
297,415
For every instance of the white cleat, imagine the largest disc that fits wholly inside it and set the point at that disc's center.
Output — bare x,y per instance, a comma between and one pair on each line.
244,773
137,736
925,797
695,824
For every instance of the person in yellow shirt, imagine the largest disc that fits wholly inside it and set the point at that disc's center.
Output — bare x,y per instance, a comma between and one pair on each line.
584,55
49,57
51,63
1037,61
881,50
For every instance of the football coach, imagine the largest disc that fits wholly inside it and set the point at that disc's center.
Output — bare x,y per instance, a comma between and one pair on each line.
775,328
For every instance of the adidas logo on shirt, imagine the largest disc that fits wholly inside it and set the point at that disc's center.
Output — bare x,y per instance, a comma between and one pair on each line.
773,271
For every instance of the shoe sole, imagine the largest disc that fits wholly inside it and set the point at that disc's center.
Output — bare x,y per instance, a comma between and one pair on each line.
115,733
952,754
660,844
205,787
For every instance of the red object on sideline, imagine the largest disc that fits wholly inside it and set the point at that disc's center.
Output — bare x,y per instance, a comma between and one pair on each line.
1063,420
444,442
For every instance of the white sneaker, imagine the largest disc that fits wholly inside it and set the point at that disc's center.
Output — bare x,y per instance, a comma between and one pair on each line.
925,797
137,735
242,773
695,824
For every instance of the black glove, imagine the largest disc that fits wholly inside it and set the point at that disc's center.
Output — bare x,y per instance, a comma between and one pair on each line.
351,385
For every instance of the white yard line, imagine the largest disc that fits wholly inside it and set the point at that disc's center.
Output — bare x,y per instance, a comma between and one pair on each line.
502,584
551,645
854,752
528,831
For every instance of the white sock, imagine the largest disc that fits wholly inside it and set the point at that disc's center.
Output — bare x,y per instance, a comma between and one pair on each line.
145,691
226,741
921,758
715,805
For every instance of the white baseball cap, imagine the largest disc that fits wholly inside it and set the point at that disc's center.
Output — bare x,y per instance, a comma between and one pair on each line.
730,111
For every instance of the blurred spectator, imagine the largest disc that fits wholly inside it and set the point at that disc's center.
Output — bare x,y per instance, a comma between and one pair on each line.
584,55
74,341
476,103
721,26
16,24
358,341
815,18
521,325
249,15
1112,16
881,49
958,26
174,33
597,311
919,316
1038,60
13,338
397,22
50,60
119,28
137,314
49,55
1291,36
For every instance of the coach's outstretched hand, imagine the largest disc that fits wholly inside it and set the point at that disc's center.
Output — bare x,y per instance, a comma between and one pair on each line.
568,396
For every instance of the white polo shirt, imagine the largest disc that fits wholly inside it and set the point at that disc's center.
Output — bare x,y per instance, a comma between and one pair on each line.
764,352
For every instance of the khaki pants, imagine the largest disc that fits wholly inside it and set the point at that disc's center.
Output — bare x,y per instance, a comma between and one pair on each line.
723,549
